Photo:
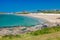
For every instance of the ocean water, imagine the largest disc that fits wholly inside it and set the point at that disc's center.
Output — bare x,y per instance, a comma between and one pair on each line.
9,20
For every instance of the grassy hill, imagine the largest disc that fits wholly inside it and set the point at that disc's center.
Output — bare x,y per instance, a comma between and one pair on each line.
44,34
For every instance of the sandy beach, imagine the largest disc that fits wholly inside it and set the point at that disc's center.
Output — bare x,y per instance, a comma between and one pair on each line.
52,18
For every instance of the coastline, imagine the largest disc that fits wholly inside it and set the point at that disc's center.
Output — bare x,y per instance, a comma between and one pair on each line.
51,18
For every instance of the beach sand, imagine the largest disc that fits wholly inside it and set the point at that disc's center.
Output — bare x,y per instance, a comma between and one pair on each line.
52,18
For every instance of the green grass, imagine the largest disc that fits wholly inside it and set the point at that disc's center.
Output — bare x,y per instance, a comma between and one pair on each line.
46,31
44,34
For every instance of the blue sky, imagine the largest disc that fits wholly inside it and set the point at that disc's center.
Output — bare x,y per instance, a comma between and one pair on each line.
28,5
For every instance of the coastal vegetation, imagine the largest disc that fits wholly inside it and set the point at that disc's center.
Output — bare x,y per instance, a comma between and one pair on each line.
52,33
23,13
55,11
41,11
48,11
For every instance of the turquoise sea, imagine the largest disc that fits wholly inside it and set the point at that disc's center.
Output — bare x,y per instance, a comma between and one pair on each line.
11,20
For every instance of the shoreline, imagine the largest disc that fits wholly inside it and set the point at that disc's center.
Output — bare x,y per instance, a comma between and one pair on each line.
52,21
49,17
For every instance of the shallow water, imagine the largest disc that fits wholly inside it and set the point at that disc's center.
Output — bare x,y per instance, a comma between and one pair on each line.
8,20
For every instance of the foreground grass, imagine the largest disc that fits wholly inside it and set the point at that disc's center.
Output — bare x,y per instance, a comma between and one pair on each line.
44,34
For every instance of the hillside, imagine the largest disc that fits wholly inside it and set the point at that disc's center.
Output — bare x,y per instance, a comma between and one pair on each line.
44,34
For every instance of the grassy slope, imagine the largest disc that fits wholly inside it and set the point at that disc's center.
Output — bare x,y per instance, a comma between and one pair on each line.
44,34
